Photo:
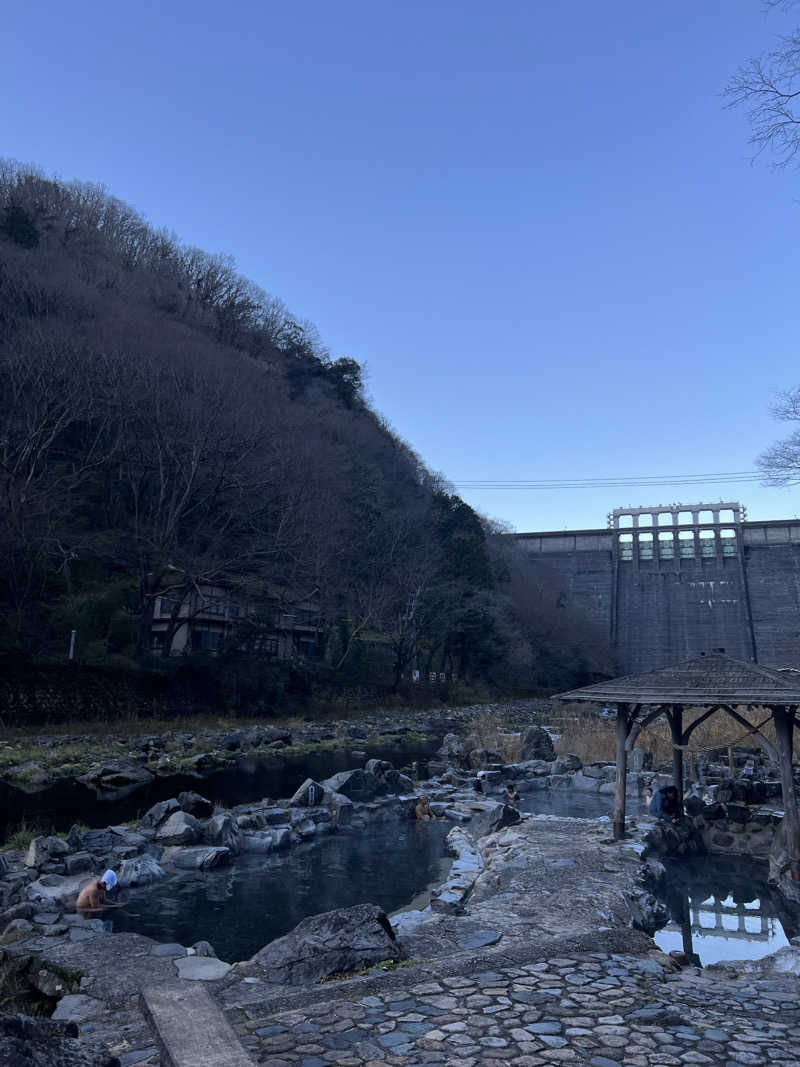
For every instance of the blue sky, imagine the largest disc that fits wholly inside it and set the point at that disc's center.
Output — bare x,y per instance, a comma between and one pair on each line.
534,222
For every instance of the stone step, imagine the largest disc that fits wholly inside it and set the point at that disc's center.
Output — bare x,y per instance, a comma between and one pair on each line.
191,1029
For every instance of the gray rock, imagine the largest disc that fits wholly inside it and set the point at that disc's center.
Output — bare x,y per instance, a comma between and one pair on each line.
159,812
378,766
356,784
341,941
203,948
78,862
309,795
42,850
195,805
99,842
259,840
77,1008
180,828
127,837
35,1042
567,763
117,776
222,830
140,871
537,744
397,782
584,783
201,969
16,930
200,858
171,950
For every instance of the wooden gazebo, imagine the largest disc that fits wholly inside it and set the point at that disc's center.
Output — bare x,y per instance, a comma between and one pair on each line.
713,682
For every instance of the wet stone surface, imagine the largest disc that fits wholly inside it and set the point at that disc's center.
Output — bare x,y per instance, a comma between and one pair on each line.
599,1009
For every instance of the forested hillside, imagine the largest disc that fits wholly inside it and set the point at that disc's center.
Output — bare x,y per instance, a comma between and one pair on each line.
166,424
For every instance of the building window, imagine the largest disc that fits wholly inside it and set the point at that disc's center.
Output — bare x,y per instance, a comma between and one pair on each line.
206,640
665,518
645,546
708,547
666,546
728,541
685,518
626,546
165,605
213,606
267,644
705,516
686,544
726,515
645,520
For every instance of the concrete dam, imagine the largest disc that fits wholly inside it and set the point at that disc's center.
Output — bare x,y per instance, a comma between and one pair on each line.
668,583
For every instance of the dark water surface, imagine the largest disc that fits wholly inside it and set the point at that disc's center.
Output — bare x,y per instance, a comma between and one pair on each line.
723,909
241,908
250,779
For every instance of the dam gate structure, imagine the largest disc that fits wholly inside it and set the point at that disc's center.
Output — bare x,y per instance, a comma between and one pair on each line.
670,582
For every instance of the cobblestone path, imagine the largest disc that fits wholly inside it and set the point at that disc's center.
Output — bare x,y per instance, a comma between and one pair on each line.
599,1009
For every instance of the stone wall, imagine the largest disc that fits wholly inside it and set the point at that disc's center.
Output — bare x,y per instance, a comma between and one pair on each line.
57,693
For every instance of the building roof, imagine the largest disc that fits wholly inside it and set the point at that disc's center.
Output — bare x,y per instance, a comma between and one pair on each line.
710,679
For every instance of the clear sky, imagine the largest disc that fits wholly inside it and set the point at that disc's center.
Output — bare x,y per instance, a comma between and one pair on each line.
534,221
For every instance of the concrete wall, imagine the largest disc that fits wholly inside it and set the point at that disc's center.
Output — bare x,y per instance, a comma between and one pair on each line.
659,611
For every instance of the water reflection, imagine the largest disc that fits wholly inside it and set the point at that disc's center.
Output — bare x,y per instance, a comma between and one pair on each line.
243,907
724,910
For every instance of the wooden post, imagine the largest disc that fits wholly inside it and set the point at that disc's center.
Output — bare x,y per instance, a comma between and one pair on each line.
731,764
623,727
675,717
784,732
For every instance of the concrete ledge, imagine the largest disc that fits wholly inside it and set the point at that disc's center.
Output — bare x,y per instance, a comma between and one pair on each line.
190,1028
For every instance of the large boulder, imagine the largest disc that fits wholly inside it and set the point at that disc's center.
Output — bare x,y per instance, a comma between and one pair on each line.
181,828
195,805
140,871
336,942
356,785
222,830
199,858
537,744
159,812
452,749
45,850
117,777
396,782
309,795
36,1042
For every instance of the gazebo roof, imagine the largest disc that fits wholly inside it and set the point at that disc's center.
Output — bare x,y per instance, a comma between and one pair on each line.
706,680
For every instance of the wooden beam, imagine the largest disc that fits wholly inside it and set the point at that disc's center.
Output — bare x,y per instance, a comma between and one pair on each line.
623,727
784,718
768,747
690,729
637,727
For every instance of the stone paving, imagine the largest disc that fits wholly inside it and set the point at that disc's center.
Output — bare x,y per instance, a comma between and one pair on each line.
595,1008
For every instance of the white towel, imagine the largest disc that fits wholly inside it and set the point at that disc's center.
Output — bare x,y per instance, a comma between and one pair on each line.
109,879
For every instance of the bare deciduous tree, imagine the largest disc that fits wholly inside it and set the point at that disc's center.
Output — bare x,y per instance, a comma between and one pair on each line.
768,87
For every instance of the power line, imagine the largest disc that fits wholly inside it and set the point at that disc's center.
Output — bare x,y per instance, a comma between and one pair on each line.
619,482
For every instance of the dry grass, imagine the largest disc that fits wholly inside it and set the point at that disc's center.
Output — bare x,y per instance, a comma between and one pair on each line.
594,740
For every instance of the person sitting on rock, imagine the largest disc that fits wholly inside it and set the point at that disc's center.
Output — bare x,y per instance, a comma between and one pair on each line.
423,810
665,804
511,794
93,895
